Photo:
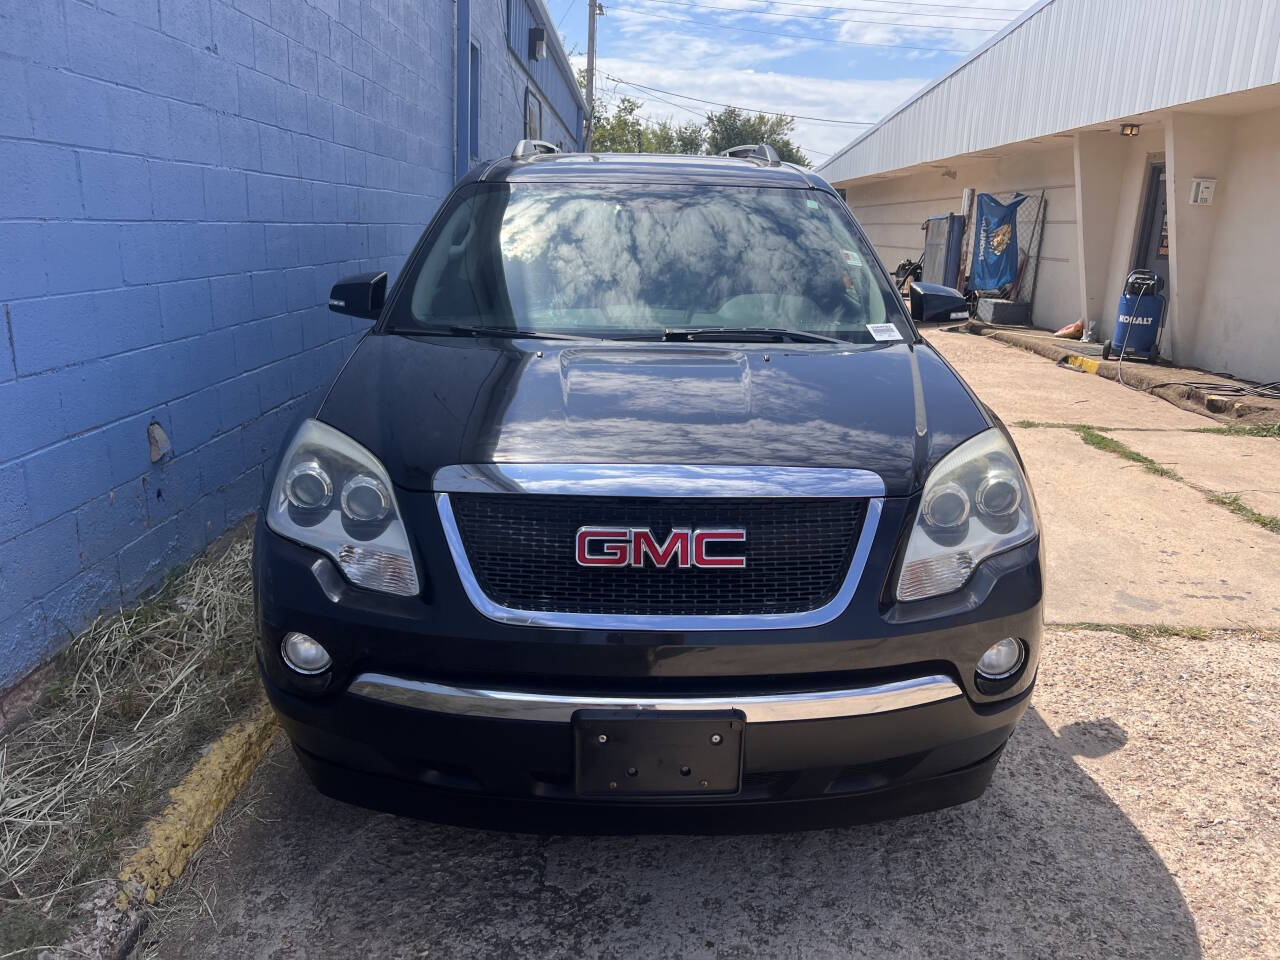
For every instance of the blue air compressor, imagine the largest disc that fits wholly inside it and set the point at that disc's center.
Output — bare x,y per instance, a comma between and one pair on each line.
1140,318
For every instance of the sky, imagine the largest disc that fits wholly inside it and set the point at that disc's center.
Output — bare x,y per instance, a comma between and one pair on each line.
843,60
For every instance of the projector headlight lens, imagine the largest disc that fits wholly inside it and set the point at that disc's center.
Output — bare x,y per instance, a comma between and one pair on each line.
307,486
364,498
946,506
998,494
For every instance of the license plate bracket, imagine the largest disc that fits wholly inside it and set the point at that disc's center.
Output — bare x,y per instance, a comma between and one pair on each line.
628,753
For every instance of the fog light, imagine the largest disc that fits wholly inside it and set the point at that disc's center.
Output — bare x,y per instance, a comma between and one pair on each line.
1001,660
304,654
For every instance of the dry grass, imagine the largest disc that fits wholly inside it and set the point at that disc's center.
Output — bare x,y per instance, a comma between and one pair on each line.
130,703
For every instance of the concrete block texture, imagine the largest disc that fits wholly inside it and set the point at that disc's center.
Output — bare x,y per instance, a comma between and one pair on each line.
183,181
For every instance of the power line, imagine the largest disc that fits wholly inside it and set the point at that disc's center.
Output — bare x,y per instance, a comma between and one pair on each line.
790,36
1013,13
679,106
566,13
810,16
717,103
669,103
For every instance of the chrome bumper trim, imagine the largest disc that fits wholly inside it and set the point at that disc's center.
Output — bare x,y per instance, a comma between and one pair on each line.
559,708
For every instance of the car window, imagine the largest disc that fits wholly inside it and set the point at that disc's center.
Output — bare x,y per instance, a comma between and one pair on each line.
637,260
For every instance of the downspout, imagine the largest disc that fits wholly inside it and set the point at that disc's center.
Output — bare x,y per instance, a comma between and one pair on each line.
462,89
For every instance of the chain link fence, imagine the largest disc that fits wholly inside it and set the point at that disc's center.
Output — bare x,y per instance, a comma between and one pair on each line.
1030,233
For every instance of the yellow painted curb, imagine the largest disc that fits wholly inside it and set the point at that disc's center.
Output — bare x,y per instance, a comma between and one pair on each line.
194,807
1087,364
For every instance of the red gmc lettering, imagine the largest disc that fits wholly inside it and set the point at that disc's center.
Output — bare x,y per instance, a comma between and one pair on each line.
702,537
677,546
630,546
614,548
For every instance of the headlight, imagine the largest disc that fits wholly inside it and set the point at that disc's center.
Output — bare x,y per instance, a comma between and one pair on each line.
360,528
976,503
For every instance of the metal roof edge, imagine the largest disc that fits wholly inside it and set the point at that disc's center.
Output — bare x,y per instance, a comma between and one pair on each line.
1026,15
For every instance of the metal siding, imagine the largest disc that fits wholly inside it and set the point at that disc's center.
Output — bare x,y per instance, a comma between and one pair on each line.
1266,60
555,81
1072,63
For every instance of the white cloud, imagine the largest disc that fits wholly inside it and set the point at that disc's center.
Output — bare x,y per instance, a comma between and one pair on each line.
949,26
747,70
762,89
932,26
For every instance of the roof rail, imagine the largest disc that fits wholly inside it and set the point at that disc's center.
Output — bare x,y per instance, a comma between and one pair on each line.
527,149
754,151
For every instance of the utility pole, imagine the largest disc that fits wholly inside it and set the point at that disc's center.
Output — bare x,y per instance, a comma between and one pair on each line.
594,8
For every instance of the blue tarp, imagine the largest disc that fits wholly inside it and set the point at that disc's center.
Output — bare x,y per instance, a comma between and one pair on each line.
995,252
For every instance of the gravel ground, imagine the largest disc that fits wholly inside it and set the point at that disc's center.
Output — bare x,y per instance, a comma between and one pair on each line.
1182,734
1134,815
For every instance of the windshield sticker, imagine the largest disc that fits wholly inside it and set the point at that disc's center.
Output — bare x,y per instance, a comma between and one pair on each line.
883,331
851,258
811,204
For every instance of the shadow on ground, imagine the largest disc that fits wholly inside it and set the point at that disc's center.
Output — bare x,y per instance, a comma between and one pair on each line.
1043,865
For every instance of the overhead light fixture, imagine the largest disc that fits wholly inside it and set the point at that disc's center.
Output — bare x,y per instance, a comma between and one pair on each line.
1129,129
537,43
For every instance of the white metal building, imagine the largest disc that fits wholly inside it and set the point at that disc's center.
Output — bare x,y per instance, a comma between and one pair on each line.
1042,106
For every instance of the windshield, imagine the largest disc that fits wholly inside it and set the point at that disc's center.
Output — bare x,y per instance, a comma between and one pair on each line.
644,261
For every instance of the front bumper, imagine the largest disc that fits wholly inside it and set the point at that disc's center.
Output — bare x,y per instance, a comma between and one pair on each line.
446,760
518,774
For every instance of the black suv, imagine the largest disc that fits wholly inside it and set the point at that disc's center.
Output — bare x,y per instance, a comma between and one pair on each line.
644,506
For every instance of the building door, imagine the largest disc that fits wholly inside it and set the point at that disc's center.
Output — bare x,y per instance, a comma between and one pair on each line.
1153,241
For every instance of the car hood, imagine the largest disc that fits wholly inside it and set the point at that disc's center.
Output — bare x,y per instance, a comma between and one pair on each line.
420,403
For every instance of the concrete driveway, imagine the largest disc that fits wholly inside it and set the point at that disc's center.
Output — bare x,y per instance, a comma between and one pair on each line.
1124,544
1134,814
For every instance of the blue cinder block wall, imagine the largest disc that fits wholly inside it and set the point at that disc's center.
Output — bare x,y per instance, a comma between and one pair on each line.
180,183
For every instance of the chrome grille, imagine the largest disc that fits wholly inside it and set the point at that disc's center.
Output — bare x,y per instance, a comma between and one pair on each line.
521,550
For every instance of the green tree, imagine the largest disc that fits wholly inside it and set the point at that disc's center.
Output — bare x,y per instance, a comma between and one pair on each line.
667,136
622,130
619,130
732,127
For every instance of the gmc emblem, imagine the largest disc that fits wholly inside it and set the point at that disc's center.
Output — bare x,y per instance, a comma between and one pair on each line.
633,546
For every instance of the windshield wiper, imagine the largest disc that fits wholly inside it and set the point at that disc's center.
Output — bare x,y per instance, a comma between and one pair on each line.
514,333
746,335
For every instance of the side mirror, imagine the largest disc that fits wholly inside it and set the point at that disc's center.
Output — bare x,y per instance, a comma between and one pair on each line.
933,301
360,296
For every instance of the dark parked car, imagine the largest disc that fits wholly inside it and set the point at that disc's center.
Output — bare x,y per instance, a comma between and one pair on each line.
644,506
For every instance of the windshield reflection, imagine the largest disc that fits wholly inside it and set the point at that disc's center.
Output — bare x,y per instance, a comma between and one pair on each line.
620,260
